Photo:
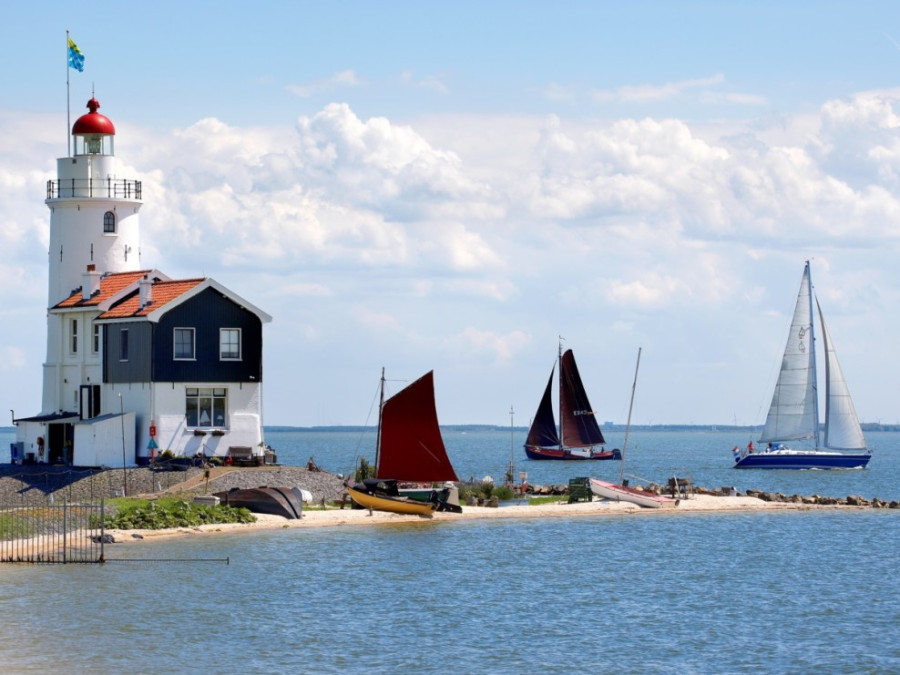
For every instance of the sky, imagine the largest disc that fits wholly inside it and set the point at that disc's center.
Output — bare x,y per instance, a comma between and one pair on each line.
457,186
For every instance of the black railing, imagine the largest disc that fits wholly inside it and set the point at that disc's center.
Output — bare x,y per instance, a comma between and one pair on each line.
108,188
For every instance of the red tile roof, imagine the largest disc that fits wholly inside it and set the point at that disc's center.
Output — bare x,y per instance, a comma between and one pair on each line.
161,293
110,285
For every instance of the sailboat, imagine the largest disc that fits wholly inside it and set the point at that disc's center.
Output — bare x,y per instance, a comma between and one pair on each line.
794,413
621,491
578,434
409,449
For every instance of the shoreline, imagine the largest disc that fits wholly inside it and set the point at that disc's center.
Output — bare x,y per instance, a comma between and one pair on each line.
335,517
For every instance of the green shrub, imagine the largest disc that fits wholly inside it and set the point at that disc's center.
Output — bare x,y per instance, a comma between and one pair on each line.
143,514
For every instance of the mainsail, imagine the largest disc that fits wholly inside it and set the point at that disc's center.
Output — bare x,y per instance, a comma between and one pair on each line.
793,414
842,430
579,428
543,429
411,446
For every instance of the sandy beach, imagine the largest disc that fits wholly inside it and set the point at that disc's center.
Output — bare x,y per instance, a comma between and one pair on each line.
335,517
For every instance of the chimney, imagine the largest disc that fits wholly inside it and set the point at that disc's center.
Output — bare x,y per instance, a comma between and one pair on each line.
90,282
145,287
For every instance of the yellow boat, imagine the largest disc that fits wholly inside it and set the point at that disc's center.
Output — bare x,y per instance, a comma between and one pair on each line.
379,500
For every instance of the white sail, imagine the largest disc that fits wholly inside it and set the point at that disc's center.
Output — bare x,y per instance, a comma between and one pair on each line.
842,430
793,414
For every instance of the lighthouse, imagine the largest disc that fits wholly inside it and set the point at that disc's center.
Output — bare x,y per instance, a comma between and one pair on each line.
137,363
94,230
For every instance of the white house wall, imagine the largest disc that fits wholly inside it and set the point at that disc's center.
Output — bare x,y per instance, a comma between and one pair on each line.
244,426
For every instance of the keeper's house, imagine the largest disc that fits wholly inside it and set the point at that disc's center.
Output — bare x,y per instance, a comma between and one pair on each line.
137,363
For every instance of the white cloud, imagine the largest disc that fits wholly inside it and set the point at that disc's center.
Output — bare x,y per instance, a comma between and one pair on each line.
338,80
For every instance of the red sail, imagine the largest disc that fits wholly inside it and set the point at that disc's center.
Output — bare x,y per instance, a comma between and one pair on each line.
579,426
411,445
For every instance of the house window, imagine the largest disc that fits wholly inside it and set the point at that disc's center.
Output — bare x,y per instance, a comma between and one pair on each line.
184,344
230,344
95,345
74,336
123,344
109,223
206,407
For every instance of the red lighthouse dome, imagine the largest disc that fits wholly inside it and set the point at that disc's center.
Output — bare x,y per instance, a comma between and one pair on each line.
93,123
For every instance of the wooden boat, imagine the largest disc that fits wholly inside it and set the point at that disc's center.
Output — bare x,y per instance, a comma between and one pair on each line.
384,495
279,501
409,448
578,435
794,413
621,491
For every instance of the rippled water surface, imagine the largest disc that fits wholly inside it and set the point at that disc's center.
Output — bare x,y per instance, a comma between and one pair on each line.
691,593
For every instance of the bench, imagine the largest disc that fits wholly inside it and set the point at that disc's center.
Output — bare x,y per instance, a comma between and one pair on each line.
681,488
242,455
580,488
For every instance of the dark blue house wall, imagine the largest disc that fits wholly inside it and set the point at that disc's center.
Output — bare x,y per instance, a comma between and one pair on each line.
206,313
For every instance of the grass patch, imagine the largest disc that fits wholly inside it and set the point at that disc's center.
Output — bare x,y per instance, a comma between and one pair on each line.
549,499
143,514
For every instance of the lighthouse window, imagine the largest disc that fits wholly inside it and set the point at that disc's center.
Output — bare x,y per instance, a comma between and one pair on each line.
205,407
230,344
96,344
184,343
109,223
74,336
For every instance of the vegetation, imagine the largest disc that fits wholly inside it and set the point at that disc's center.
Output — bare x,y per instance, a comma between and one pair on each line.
364,470
548,499
142,514
485,490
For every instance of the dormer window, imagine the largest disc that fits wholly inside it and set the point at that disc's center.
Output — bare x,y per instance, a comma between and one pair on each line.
109,223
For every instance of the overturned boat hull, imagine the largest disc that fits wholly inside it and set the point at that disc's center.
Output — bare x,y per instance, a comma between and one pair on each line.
279,501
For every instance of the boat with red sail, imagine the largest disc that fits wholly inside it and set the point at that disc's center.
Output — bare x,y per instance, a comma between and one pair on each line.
412,468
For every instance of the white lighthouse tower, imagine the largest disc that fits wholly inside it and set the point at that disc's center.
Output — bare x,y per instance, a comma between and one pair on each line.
94,230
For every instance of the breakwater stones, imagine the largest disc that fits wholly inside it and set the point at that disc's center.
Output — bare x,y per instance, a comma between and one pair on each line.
850,500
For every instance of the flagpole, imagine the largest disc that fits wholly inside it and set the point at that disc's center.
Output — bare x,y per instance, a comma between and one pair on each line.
68,106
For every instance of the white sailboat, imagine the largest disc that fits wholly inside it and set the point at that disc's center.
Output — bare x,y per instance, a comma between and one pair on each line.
794,413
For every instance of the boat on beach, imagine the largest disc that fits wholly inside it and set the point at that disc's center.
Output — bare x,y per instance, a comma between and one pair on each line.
621,491
410,457
794,412
384,495
279,501
578,436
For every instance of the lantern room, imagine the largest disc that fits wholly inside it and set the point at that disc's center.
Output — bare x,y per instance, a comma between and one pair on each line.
93,133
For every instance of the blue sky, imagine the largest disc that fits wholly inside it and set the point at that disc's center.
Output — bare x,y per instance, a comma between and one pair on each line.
452,186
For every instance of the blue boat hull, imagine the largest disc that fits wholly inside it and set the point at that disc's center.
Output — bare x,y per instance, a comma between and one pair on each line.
810,460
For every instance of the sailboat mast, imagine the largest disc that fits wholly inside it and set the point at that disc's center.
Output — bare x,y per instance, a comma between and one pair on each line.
378,432
812,345
512,464
628,423
560,393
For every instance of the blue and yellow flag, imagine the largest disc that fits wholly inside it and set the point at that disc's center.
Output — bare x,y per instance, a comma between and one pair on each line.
76,58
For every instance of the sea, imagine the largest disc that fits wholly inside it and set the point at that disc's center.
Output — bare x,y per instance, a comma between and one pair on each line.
795,592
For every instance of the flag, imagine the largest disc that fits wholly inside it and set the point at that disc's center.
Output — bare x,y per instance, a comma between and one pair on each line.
76,58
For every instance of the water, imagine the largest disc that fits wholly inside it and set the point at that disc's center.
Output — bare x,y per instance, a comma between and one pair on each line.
693,593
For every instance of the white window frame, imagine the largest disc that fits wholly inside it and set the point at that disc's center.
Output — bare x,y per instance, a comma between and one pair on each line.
73,345
240,340
95,340
193,355
216,401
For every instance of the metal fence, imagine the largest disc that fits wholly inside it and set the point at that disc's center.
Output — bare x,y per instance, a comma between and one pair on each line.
52,533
